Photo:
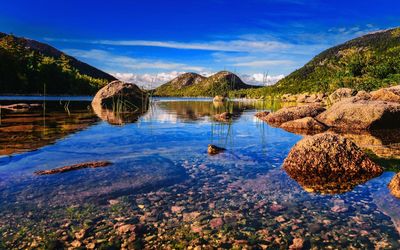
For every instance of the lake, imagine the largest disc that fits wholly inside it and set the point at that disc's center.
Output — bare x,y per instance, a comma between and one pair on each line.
163,190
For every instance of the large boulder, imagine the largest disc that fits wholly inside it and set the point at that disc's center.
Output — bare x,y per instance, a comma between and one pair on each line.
329,163
293,113
341,94
394,186
391,94
359,114
121,96
307,124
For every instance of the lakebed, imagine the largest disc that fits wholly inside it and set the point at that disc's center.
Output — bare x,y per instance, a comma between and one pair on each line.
162,190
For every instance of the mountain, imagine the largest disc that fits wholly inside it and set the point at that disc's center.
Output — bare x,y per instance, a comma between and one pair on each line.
365,63
31,67
192,84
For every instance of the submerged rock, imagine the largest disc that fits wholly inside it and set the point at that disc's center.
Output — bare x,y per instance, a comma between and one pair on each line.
223,117
304,124
341,94
329,163
355,114
94,164
394,186
118,95
213,150
293,113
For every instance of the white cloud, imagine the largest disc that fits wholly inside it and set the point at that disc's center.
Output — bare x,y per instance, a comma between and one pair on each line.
128,63
238,45
261,79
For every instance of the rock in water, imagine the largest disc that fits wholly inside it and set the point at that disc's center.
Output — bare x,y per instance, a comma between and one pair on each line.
329,163
304,124
356,114
118,95
213,150
223,117
293,113
394,186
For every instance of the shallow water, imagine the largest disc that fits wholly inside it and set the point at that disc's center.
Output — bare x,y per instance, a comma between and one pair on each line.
163,182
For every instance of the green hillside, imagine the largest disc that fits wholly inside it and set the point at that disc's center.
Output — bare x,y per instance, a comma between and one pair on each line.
365,63
31,67
192,84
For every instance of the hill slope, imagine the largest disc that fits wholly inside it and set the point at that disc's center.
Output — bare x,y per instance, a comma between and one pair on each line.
192,84
367,63
28,66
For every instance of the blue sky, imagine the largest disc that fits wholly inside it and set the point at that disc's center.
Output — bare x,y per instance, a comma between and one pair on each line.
149,42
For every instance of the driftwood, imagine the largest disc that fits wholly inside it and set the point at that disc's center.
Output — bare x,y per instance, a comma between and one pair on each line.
93,164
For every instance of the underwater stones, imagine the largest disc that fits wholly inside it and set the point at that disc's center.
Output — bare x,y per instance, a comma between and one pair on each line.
359,114
293,113
213,150
216,222
93,164
177,209
329,163
223,117
394,186
126,228
297,244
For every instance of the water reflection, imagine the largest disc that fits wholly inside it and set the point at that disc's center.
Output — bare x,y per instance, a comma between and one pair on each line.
29,129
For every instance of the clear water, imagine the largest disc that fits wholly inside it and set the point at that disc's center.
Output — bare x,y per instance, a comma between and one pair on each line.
163,182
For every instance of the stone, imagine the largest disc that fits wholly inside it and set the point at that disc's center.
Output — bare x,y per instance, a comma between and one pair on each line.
126,228
355,114
340,94
223,117
216,223
394,186
118,95
391,94
329,163
306,124
293,113
297,244
177,209
76,243
213,150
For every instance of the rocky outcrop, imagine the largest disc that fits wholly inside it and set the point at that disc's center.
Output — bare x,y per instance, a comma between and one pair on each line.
94,164
304,124
356,114
341,94
329,163
121,96
391,94
213,150
223,117
394,186
293,113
